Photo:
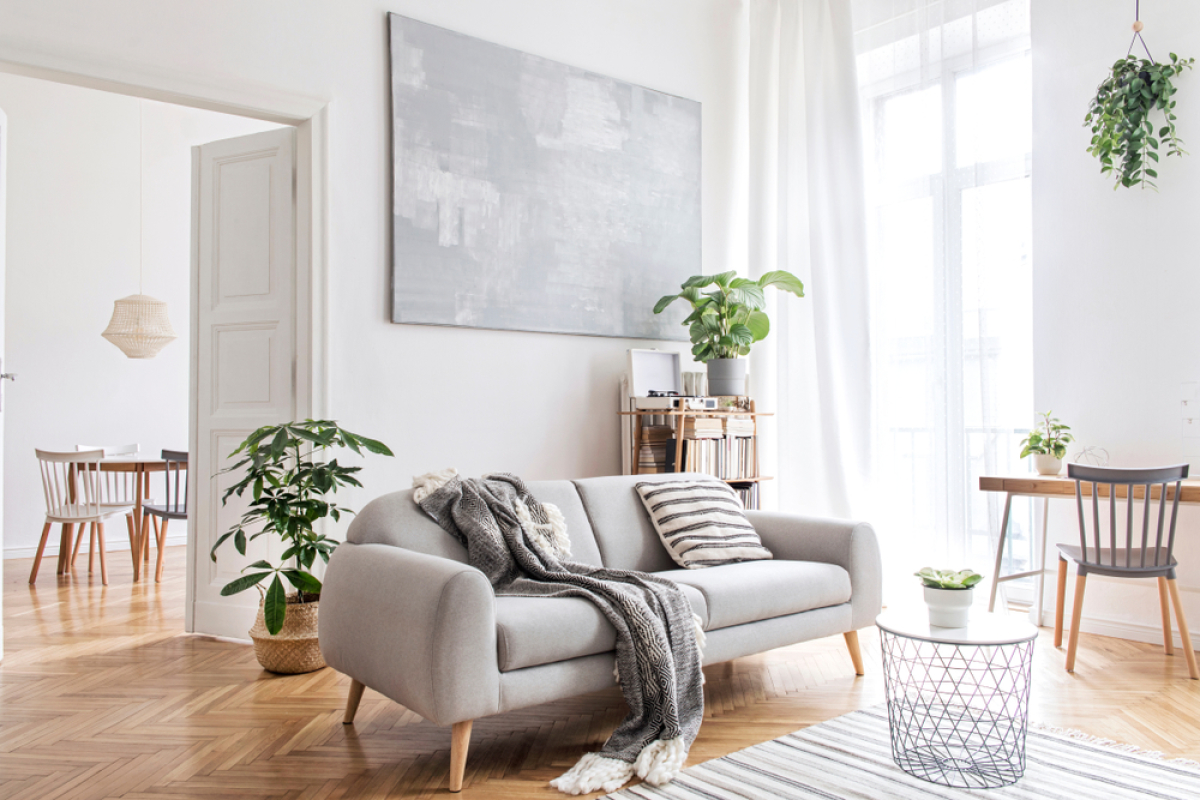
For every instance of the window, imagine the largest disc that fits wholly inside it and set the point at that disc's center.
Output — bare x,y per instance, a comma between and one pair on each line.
946,107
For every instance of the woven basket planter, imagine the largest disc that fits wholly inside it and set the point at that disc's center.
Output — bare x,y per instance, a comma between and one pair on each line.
294,649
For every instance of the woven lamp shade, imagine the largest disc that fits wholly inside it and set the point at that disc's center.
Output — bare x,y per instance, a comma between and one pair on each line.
139,326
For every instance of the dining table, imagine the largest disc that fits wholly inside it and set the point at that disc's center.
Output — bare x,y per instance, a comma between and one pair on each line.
142,465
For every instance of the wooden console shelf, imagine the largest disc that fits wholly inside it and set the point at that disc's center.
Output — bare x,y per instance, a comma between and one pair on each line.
680,416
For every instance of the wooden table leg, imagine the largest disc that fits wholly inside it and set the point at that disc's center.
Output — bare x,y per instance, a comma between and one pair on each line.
64,548
147,520
1000,553
139,539
144,478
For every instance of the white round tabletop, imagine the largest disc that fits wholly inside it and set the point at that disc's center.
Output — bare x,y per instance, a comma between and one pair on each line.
984,628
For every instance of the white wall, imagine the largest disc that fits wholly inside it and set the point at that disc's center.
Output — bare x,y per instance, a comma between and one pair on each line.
535,404
73,250
1115,278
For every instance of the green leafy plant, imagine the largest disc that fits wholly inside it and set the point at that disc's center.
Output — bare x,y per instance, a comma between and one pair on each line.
289,487
727,320
948,578
1050,437
1123,135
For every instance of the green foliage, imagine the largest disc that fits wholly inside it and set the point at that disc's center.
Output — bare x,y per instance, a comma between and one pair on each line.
288,488
1049,438
1123,135
726,321
948,578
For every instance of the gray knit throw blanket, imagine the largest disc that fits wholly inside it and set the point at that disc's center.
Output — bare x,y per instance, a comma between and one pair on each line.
520,544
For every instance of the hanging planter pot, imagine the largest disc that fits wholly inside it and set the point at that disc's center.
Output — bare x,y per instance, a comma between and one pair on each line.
1125,135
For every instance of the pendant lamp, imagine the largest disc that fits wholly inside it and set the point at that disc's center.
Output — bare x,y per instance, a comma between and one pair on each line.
139,324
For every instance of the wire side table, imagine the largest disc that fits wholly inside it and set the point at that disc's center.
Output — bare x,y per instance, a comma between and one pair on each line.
958,698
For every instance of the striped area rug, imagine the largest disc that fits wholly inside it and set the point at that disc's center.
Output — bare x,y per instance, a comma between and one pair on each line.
849,757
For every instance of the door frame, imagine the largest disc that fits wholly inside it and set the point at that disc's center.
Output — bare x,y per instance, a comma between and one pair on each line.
310,116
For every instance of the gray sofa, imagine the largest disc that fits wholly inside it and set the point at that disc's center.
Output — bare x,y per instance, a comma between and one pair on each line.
402,613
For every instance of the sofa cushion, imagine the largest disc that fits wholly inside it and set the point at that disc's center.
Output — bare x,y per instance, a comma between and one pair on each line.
700,522
541,630
396,520
620,523
564,495
753,590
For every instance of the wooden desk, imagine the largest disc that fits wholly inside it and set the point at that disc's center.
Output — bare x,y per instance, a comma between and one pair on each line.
1049,487
143,465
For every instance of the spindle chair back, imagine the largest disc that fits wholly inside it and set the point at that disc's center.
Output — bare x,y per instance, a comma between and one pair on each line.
1128,550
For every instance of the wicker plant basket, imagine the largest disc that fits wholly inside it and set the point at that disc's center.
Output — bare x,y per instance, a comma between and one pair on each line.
294,649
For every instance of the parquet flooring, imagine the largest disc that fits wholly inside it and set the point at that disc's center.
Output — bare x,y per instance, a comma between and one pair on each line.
101,697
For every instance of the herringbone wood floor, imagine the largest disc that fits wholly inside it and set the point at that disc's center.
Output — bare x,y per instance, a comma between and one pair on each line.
101,697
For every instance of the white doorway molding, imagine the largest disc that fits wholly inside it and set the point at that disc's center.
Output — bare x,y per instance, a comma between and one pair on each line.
309,115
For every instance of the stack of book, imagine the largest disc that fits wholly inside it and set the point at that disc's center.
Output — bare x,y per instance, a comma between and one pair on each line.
739,426
703,428
652,457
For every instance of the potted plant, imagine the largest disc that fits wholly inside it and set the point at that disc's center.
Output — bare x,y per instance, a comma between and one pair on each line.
1047,443
949,595
289,487
1123,135
726,321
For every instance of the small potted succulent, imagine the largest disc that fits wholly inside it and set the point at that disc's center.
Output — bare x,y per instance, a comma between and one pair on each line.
726,321
1047,443
949,595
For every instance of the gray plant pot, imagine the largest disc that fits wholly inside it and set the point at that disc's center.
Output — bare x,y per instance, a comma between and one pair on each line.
727,377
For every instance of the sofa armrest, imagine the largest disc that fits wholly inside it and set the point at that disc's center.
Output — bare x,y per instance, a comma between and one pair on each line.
417,628
850,545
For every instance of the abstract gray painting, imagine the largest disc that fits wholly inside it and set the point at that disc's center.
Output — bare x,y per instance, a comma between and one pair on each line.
531,195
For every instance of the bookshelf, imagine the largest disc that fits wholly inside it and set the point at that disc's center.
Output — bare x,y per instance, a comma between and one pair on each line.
731,457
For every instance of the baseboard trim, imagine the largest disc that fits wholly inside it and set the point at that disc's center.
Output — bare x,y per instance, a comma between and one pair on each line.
1150,634
114,544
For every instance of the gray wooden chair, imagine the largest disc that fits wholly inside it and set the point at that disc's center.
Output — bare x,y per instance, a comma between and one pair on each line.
175,505
1149,556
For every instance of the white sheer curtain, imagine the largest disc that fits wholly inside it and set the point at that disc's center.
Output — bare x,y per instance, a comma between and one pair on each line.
945,93
807,216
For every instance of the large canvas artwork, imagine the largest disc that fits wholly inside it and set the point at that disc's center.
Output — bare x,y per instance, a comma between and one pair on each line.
532,195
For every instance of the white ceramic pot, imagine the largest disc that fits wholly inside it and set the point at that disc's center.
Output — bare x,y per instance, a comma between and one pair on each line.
949,608
1046,464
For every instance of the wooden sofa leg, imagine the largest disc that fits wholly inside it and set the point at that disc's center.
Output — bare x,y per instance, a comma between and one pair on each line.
460,740
356,691
855,652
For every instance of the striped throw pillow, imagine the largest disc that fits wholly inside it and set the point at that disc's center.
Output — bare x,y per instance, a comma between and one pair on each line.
701,522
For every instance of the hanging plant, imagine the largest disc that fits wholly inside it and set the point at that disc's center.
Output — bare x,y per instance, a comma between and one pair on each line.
1123,135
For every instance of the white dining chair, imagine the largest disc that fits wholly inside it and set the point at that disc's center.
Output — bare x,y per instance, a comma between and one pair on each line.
71,485
116,489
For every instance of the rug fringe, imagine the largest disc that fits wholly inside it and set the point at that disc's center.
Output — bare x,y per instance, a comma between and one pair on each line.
1111,744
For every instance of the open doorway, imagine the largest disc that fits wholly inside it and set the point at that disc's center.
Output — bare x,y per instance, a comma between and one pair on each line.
76,197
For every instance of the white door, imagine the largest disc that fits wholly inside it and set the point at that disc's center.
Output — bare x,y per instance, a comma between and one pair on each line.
245,312
3,248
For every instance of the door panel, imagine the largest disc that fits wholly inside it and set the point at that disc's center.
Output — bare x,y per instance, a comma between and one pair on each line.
244,327
3,248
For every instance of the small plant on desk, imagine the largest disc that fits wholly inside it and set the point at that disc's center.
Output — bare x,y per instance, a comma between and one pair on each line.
1047,443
